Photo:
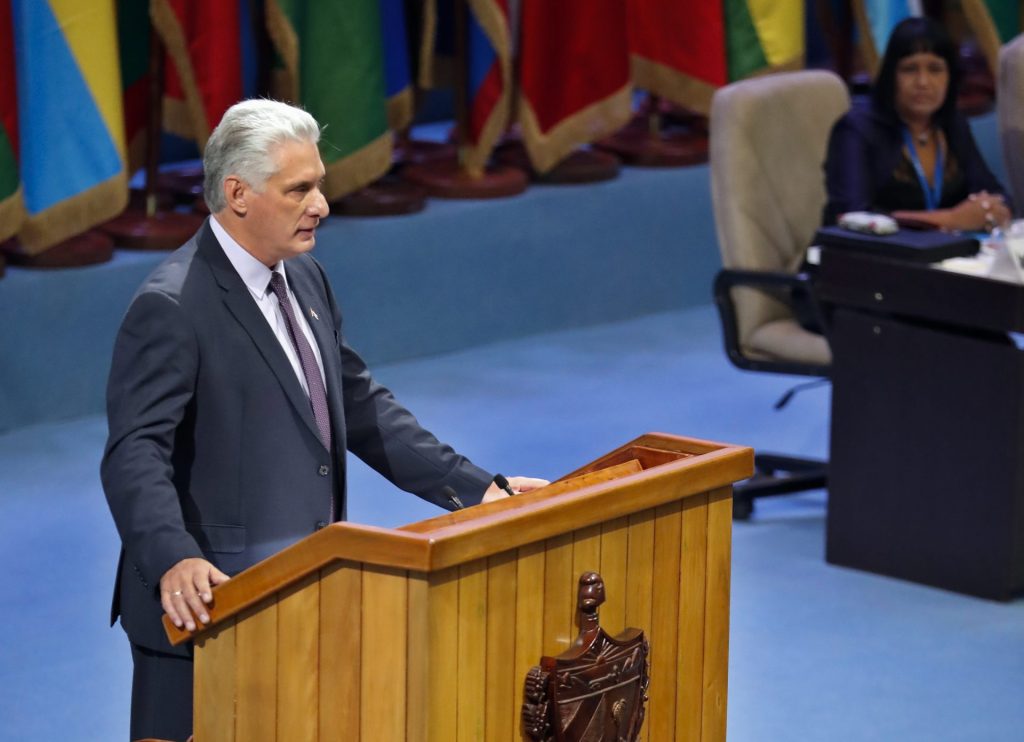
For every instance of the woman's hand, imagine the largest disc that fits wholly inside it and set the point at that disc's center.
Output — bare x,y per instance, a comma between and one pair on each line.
994,208
981,211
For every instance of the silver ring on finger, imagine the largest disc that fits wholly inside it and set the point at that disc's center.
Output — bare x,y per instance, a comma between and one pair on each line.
176,592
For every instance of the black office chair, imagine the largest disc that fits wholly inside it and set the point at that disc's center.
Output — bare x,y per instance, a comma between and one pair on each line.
769,137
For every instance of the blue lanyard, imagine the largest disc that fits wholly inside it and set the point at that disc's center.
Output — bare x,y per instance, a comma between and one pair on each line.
932,194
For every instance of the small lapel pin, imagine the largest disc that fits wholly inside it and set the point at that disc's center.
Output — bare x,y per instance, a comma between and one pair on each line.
313,314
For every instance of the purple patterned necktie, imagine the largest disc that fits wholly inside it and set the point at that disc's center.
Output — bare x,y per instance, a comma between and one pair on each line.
315,383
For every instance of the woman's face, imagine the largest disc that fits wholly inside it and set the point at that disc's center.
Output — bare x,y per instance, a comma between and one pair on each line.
921,83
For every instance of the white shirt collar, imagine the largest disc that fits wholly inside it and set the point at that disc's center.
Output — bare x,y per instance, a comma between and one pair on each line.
253,273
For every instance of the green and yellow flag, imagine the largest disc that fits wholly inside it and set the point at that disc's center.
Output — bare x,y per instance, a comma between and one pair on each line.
763,36
333,66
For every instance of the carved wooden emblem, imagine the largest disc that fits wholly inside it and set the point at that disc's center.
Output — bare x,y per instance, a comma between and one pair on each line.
595,691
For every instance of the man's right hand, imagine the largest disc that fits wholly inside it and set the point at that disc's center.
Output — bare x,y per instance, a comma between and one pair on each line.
187,588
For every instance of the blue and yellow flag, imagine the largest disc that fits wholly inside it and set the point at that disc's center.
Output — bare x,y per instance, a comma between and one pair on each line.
71,127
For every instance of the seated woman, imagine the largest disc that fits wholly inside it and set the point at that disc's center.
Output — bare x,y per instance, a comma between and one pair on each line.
907,151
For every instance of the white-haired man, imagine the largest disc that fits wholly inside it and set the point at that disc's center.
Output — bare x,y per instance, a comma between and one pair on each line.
232,400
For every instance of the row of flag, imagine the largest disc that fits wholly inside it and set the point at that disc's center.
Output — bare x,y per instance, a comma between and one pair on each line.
993,22
74,102
75,79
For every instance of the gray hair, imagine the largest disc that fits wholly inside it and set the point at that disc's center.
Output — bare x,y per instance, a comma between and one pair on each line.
243,143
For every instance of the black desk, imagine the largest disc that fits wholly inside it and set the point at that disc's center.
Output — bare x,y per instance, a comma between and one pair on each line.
926,470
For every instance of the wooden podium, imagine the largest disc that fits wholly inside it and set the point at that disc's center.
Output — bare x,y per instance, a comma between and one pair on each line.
426,632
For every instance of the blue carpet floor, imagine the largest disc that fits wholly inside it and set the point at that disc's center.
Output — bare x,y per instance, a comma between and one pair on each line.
816,652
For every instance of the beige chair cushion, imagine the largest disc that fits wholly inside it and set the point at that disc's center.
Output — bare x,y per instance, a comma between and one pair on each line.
785,340
769,137
1010,113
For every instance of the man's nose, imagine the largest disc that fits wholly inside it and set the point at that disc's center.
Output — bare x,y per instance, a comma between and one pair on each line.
318,207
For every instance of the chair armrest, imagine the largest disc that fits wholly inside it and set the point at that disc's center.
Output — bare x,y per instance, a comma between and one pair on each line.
795,283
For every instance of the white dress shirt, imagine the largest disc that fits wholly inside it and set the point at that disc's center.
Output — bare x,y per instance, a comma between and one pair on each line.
256,277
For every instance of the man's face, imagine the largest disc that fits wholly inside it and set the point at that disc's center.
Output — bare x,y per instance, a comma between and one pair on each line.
281,219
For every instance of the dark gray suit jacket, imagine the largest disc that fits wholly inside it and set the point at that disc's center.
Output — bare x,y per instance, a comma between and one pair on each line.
213,450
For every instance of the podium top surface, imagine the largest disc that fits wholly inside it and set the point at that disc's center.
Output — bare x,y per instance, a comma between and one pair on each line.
630,479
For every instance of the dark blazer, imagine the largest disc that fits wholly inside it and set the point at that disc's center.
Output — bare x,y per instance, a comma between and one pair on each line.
865,148
213,450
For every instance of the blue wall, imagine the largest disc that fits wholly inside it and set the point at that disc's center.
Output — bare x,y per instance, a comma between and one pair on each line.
460,273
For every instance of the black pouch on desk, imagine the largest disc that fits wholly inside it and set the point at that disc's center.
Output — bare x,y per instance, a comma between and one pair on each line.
907,244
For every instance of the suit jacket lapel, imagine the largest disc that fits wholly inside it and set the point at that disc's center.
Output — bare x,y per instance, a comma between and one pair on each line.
240,303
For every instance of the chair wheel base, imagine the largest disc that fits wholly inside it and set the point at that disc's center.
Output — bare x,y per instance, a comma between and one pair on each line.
742,508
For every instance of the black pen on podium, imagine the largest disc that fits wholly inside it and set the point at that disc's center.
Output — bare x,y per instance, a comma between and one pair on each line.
450,495
500,480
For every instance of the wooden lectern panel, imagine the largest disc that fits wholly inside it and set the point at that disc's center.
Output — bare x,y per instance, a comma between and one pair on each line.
435,645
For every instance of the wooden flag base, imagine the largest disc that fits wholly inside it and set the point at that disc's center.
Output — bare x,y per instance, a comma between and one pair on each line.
165,230
388,196
581,166
448,179
977,93
89,248
185,184
137,199
638,145
410,151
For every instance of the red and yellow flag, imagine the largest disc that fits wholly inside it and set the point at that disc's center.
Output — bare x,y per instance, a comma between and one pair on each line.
204,77
678,49
574,75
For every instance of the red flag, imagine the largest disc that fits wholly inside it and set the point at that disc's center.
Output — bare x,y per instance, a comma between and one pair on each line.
678,49
204,74
574,75
12,208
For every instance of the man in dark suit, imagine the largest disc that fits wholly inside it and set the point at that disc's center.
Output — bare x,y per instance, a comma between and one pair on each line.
232,400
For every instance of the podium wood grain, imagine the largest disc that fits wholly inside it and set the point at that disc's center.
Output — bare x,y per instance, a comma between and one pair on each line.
426,633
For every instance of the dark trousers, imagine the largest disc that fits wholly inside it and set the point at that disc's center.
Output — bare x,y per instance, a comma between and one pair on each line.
161,695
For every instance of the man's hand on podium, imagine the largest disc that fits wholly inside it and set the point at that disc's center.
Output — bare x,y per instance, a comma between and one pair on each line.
186,589
518,485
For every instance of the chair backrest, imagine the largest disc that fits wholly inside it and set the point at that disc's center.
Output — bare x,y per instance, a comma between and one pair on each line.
1010,112
769,137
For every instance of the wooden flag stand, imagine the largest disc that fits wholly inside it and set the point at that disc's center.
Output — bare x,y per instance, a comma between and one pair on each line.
150,227
582,165
88,248
429,631
649,141
389,195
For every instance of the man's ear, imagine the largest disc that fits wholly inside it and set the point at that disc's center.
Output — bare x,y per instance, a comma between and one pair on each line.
236,191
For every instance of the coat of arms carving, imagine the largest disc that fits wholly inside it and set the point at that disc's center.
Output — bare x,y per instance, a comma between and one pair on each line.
596,690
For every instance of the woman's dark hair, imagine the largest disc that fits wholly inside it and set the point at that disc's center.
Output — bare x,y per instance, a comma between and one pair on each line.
911,36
